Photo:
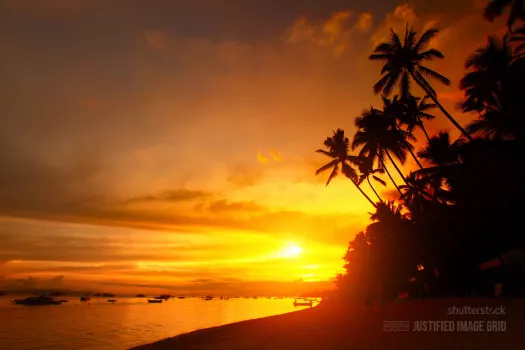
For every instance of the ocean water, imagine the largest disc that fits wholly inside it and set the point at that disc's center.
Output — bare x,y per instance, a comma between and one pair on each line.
99,325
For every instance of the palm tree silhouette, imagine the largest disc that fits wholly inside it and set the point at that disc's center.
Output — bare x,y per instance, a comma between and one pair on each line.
415,190
491,65
403,62
394,109
378,136
338,150
495,8
493,89
366,168
414,113
440,151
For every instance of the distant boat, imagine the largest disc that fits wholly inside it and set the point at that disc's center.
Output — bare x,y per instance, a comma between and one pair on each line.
182,297
39,300
139,296
112,301
85,298
154,301
209,297
164,297
298,303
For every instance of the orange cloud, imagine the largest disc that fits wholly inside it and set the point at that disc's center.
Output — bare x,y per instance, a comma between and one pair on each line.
333,32
275,155
364,23
396,20
261,158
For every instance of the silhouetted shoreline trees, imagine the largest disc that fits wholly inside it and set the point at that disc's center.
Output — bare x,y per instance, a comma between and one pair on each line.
462,206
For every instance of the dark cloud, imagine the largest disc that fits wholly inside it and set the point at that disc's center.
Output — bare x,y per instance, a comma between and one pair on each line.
223,205
178,195
34,283
67,247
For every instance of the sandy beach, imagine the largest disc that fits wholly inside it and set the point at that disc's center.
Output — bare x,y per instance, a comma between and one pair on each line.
336,326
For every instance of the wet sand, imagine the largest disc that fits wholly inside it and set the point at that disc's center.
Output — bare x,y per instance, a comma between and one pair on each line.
334,325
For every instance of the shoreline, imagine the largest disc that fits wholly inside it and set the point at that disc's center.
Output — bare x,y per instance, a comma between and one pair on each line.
333,325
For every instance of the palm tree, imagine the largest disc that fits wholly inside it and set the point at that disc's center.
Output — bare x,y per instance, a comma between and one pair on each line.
338,146
495,8
394,109
440,151
491,65
378,137
494,89
415,191
366,168
403,63
414,113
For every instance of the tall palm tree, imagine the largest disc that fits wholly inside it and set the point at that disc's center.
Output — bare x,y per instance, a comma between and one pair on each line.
370,124
378,137
494,89
403,63
338,150
414,112
394,110
366,168
491,65
495,8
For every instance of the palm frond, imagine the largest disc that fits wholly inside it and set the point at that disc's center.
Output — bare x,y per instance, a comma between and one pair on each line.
382,182
433,74
425,39
325,167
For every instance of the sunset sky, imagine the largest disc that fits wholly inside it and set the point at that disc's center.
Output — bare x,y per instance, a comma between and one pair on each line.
170,144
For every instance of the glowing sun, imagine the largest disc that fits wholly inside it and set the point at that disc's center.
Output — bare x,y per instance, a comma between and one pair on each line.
291,251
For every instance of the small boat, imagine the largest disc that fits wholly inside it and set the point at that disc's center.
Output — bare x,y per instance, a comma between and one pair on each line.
112,301
209,297
85,298
182,297
40,300
154,301
296,303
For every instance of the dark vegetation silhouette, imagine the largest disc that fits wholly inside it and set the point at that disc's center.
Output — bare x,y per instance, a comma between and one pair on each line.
460,206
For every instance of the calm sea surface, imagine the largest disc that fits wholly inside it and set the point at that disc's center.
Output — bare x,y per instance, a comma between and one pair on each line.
99,325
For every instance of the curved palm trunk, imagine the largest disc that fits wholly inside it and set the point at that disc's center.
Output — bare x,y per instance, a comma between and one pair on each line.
395,166
373,189
389,176
363,193
424,129
415,158
452,120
